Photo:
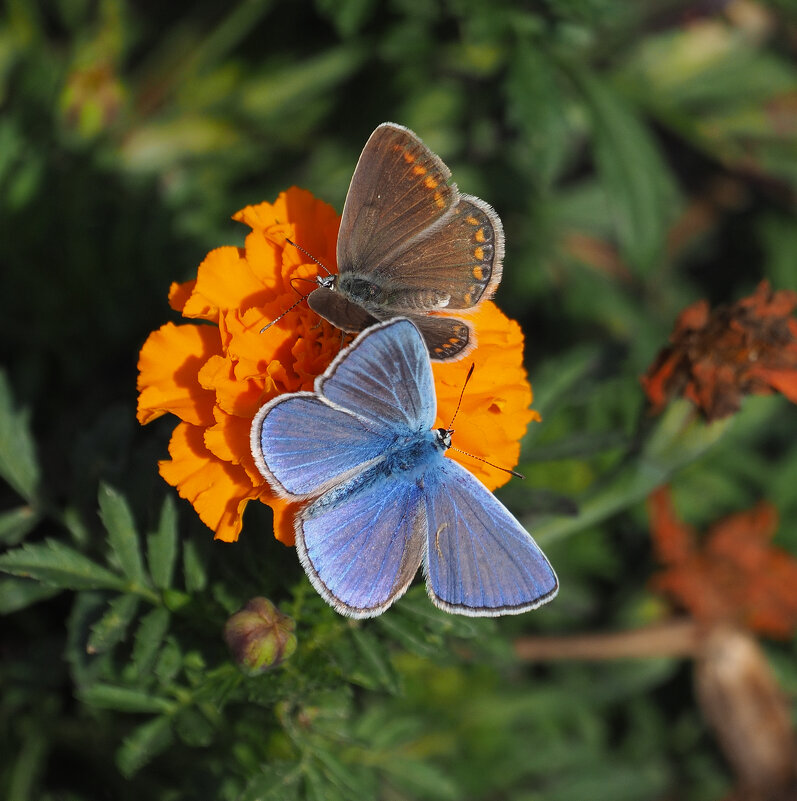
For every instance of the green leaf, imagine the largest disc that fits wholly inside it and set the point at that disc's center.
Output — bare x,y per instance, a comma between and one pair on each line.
170,660
193,728
149,637
122,535
421,779
373,669
196,577
124,699
111,627
58,565
16,594
146,741
409,635
633,174
277,781
162,546
16,523
18,464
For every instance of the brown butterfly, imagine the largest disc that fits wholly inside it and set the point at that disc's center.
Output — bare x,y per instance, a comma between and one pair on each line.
411,245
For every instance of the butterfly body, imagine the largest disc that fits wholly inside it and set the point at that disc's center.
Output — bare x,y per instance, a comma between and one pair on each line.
411,245
380,496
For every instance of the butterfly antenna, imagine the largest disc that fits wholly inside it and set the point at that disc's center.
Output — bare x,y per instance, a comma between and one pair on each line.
465,453
496,466
461,395
289,309
309,255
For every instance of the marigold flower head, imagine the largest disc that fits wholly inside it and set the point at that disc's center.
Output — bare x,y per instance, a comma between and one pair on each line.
715,358
215,374
734,575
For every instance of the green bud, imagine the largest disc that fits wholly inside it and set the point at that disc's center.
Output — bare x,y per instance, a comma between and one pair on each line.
259,636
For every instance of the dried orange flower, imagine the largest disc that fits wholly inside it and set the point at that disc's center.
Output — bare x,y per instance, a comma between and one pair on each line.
715,358
214,376
734,576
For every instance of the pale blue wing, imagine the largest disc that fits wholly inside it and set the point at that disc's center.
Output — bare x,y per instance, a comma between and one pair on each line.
304,444
362,553
480,561
385,376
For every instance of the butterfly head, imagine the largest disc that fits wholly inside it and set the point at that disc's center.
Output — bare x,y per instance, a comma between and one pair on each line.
327,281
443,438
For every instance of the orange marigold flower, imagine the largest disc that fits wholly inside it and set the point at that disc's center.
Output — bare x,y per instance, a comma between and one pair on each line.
734,575
715,358
214,376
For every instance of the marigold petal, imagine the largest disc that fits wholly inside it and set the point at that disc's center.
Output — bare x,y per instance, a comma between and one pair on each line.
217,490
228,440
284,515
180,293
224,280
168,365
494,412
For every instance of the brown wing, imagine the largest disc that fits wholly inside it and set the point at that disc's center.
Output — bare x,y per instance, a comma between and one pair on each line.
398,190
447,338
339,311
460,257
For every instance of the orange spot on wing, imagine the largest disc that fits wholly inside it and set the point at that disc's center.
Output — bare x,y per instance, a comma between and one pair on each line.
479,254
480,237
408,157
478,273
471,220
419,170
431,183
439,199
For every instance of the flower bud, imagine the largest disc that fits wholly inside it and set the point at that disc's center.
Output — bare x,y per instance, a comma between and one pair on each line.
259,636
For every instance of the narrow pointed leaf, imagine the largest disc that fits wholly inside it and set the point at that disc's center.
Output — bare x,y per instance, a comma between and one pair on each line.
124,699
15,525
195,574
16,594
18,464
149,637
112,626
58,565
162,546
122,535
146,742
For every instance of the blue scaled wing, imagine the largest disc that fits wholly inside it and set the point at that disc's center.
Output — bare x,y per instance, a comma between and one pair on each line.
304,444
362,552
385,377
480,561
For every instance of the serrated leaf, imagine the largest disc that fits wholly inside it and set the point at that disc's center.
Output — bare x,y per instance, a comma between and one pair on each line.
58,565
149,637
408,635
15,525
16,594
169,662
146,742
277,781
111,627
422,779
18,464
633,174
196,577
373,669
122,534
162,546
124,699
192,727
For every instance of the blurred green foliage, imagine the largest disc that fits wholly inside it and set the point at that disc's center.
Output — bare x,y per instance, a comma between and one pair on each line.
641,155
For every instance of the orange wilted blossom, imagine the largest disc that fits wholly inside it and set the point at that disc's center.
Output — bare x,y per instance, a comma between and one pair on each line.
215,375
734,575
715,358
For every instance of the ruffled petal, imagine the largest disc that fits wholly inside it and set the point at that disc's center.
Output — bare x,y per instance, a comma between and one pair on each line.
217,490
168,365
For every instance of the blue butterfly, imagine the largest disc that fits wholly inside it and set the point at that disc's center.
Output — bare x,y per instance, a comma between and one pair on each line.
380,496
